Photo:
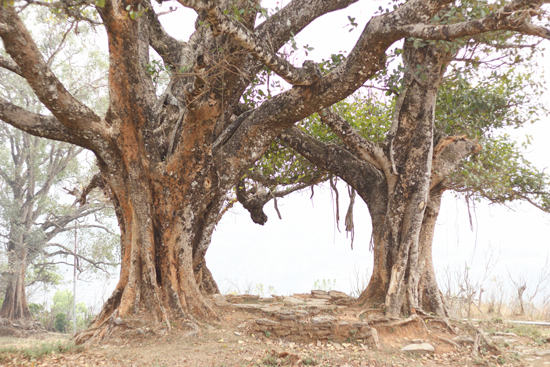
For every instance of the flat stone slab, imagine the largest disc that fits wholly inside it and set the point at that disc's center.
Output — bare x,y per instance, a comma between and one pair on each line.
418,347
324,320
337,294
248,306
293,301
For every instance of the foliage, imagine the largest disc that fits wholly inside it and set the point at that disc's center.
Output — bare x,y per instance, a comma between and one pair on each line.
61,322
37,352
63,304
324,284
478,98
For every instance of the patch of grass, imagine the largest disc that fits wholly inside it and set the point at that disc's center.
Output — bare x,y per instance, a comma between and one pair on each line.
309,361
38,351
527,330
270,361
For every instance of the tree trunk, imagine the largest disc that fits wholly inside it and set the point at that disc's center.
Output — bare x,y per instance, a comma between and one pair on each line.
426,288
15,305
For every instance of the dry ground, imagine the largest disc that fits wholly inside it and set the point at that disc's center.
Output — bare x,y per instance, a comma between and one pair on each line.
228,343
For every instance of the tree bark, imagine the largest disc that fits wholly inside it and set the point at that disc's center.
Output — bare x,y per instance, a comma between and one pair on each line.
401,181
15,305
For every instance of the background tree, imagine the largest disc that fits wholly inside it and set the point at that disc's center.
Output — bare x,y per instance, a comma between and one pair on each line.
32,173
169,160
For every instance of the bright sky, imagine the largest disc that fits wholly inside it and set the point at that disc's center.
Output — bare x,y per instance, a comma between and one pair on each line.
291,254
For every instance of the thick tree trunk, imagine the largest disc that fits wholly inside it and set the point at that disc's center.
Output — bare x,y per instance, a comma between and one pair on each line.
15,305
425,289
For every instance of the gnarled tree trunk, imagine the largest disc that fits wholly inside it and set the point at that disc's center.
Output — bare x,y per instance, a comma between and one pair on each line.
401,181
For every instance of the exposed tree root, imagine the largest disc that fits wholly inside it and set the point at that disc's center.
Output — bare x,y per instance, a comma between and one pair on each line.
449,341
411,318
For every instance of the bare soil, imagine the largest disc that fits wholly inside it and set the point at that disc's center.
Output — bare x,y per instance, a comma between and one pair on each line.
236,341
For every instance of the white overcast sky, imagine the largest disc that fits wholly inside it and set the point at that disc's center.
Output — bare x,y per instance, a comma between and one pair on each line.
292,253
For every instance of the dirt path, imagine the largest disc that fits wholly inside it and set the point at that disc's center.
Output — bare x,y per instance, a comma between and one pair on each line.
247,336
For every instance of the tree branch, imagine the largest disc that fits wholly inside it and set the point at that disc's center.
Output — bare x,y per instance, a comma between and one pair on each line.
306,75
169,48
448,153
80,120
362,176
7,63
364,148
33,123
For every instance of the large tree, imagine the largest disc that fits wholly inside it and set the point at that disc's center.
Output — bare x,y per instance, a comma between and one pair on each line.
375,157
169,160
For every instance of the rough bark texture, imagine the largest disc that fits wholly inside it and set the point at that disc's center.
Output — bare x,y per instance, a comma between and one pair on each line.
401,181
168,161
15,305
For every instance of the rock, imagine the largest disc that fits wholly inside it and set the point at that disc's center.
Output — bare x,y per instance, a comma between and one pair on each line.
270,309
422,347
241,325
291,301
220,300
119,321
337,295
542,353
247,306
267,322
417,341
141,332
343,301
324,320
320,294
463,340
191,334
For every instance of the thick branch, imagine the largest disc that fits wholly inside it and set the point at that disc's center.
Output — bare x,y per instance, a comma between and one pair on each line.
296,76
33,123
448,153
362,176
169,48
294,17
7,63
364,148
80,120
515,16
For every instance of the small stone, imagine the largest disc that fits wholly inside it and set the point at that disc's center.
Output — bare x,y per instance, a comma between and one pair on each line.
141,332
119,321
417,341
422,347
242,325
